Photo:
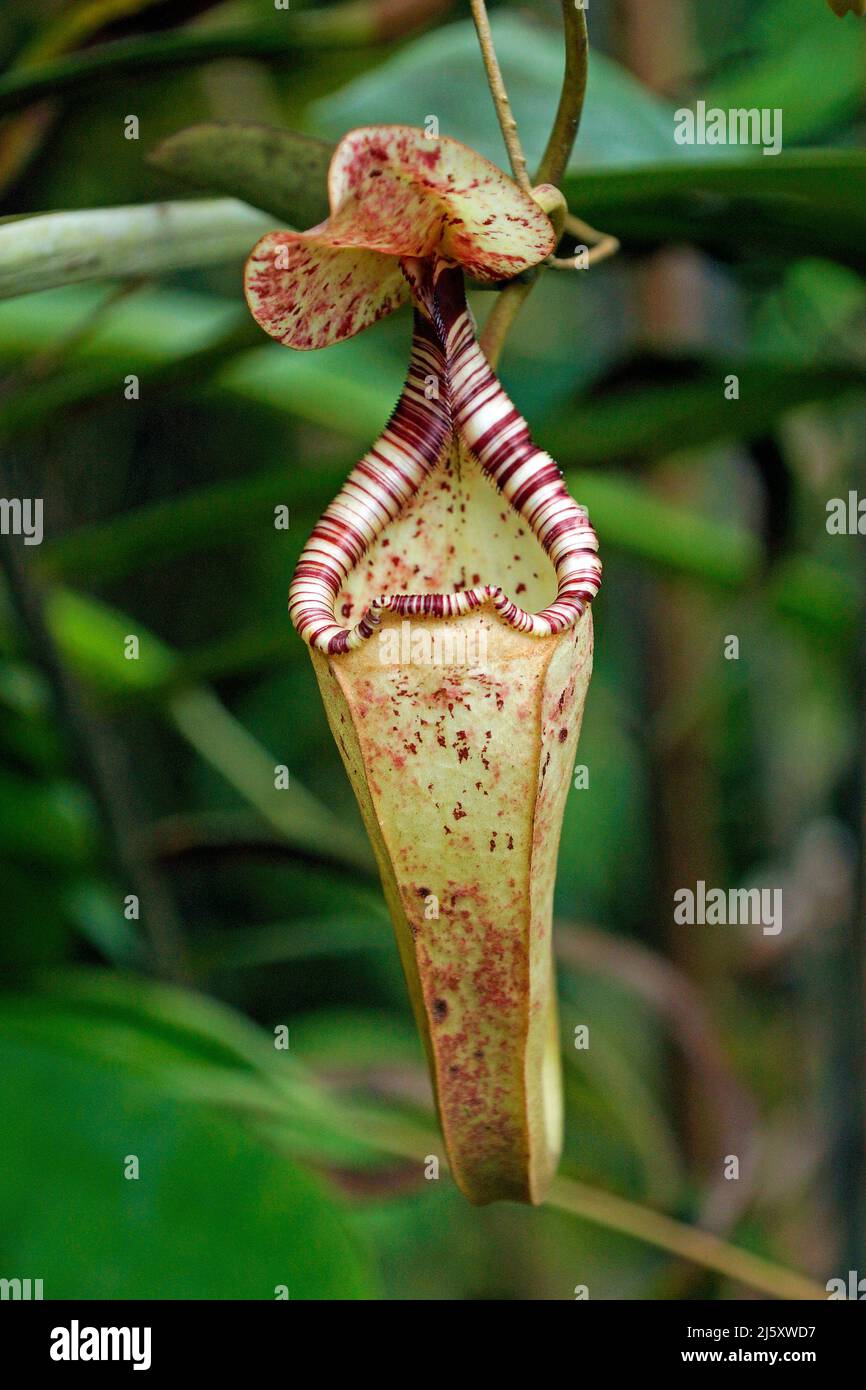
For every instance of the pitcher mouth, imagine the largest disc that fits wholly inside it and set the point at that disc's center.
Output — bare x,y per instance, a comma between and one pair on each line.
451,401
315,592
559,616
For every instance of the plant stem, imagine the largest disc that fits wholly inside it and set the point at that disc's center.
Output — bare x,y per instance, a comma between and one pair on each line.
64,248
605,249
397,1136
507,123
562,136
567,120
501,317
603,245
677,1238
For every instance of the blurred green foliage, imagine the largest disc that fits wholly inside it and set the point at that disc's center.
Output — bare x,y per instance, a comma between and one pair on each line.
261,1167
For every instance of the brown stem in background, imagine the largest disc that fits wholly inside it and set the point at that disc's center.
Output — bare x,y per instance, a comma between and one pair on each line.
672,995
395,18
843,980
402,1137
682,653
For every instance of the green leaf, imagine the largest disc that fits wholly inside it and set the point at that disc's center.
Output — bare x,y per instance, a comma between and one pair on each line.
47,823
189,1046
667,402
76,24
225,513
302,939
62,248
96,914
442,73
280,171
715,552
92,636
160,1026
277,36
151,327
783,75
157,331
737,209
814,315
672,537
215,1212
292,811
304,384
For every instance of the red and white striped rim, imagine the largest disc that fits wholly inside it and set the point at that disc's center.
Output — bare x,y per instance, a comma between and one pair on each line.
475,409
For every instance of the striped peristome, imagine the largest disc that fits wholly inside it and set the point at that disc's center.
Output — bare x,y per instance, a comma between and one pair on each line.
411,445
475,410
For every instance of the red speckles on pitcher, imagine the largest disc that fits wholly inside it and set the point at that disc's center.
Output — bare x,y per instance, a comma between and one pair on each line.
456,709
